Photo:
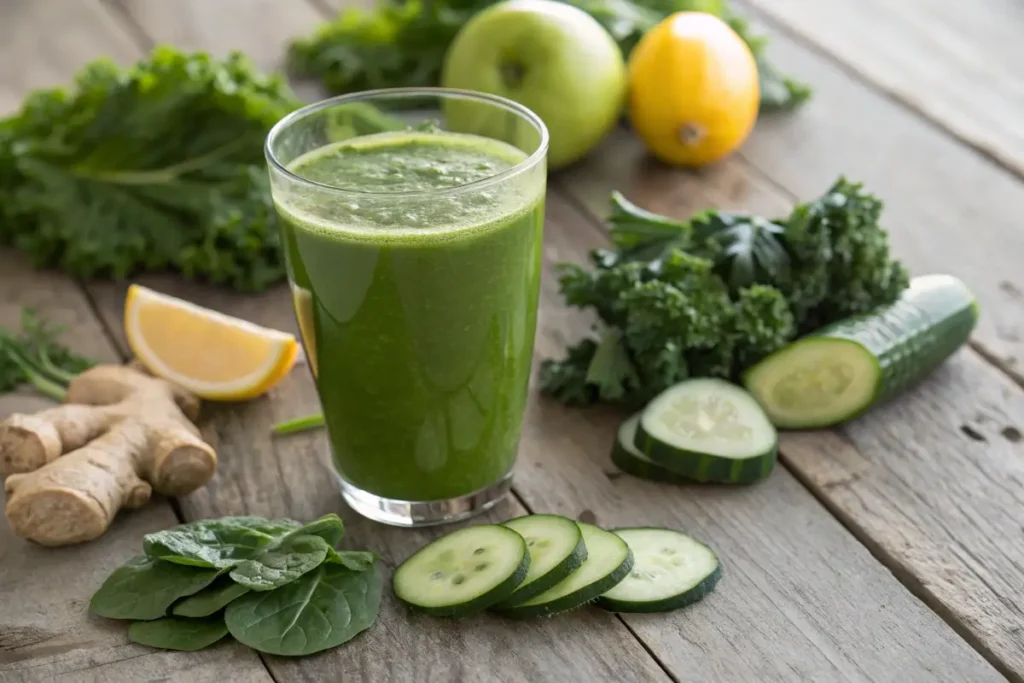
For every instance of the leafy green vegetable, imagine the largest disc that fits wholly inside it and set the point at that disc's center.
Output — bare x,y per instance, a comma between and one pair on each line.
711,296
403,42
172,633
329,527
281,563
33,355
144,588
356,560
211,599
321,609
221,543
154,167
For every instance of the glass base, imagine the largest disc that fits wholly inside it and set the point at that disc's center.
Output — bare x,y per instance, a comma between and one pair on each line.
410,513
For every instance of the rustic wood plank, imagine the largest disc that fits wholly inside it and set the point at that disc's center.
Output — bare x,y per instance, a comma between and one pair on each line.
960,69
259,28
937,495
947,209
45,631
832,630
39,41
841,615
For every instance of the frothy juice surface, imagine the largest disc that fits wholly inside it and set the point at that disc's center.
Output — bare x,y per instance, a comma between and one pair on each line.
418,306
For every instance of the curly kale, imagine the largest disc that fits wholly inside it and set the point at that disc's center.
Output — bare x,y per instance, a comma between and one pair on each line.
712,296
154,167
403,42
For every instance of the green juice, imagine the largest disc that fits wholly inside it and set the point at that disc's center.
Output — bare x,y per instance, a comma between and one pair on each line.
417,311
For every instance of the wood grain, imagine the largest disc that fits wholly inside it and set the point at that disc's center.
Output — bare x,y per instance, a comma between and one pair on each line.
39,41
792,574
961,69
259,28
46,633
947,209
939,491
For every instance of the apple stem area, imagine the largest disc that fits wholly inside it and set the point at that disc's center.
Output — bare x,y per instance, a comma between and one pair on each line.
512,74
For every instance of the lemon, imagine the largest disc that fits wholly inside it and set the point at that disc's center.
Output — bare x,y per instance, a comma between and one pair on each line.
693,91
211,354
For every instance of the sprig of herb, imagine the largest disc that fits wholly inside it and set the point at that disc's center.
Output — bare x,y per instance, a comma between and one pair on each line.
34,356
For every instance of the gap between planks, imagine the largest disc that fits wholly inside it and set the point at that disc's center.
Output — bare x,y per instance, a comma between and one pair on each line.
888,93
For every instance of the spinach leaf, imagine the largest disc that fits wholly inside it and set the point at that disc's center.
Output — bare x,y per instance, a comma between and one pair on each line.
172,633
220,543
211,599
281,563
144,588
329,527
356,560
322,609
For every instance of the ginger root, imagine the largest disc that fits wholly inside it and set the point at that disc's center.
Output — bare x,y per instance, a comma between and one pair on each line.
122,435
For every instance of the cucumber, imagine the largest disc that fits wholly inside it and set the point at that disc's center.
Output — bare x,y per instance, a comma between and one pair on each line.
608,561
463,572
844,369
628,458
670,571
708,430
556,550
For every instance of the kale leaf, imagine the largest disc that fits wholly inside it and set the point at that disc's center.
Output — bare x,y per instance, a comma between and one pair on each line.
159,166
403,42
714,295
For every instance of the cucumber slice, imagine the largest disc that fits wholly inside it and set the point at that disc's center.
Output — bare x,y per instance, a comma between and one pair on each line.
628,458
708,430
846,368
463,572
608,561
556,550
670,570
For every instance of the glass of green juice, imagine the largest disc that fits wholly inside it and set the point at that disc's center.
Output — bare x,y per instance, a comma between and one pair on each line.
412,222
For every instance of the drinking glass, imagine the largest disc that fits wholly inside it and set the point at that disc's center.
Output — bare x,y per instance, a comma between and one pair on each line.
415,276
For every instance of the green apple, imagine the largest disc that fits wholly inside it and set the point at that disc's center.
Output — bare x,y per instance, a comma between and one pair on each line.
551,57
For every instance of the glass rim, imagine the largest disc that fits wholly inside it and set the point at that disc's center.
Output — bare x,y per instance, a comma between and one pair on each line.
498,100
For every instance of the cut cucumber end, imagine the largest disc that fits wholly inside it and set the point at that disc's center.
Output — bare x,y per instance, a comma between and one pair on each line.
556,549
609,560
708,430
815,382
631,460
671,570
463,572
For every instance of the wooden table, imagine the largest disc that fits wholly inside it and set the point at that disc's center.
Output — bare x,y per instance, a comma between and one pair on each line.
891,550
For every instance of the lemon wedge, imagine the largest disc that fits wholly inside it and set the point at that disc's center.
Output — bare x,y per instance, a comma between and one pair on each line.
213,355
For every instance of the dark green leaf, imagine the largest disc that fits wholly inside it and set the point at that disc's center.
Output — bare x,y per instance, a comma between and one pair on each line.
172,633
154,167
355,560
611,370
329,527
218,543
211,599
322,609
281,563
746,249
144,588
